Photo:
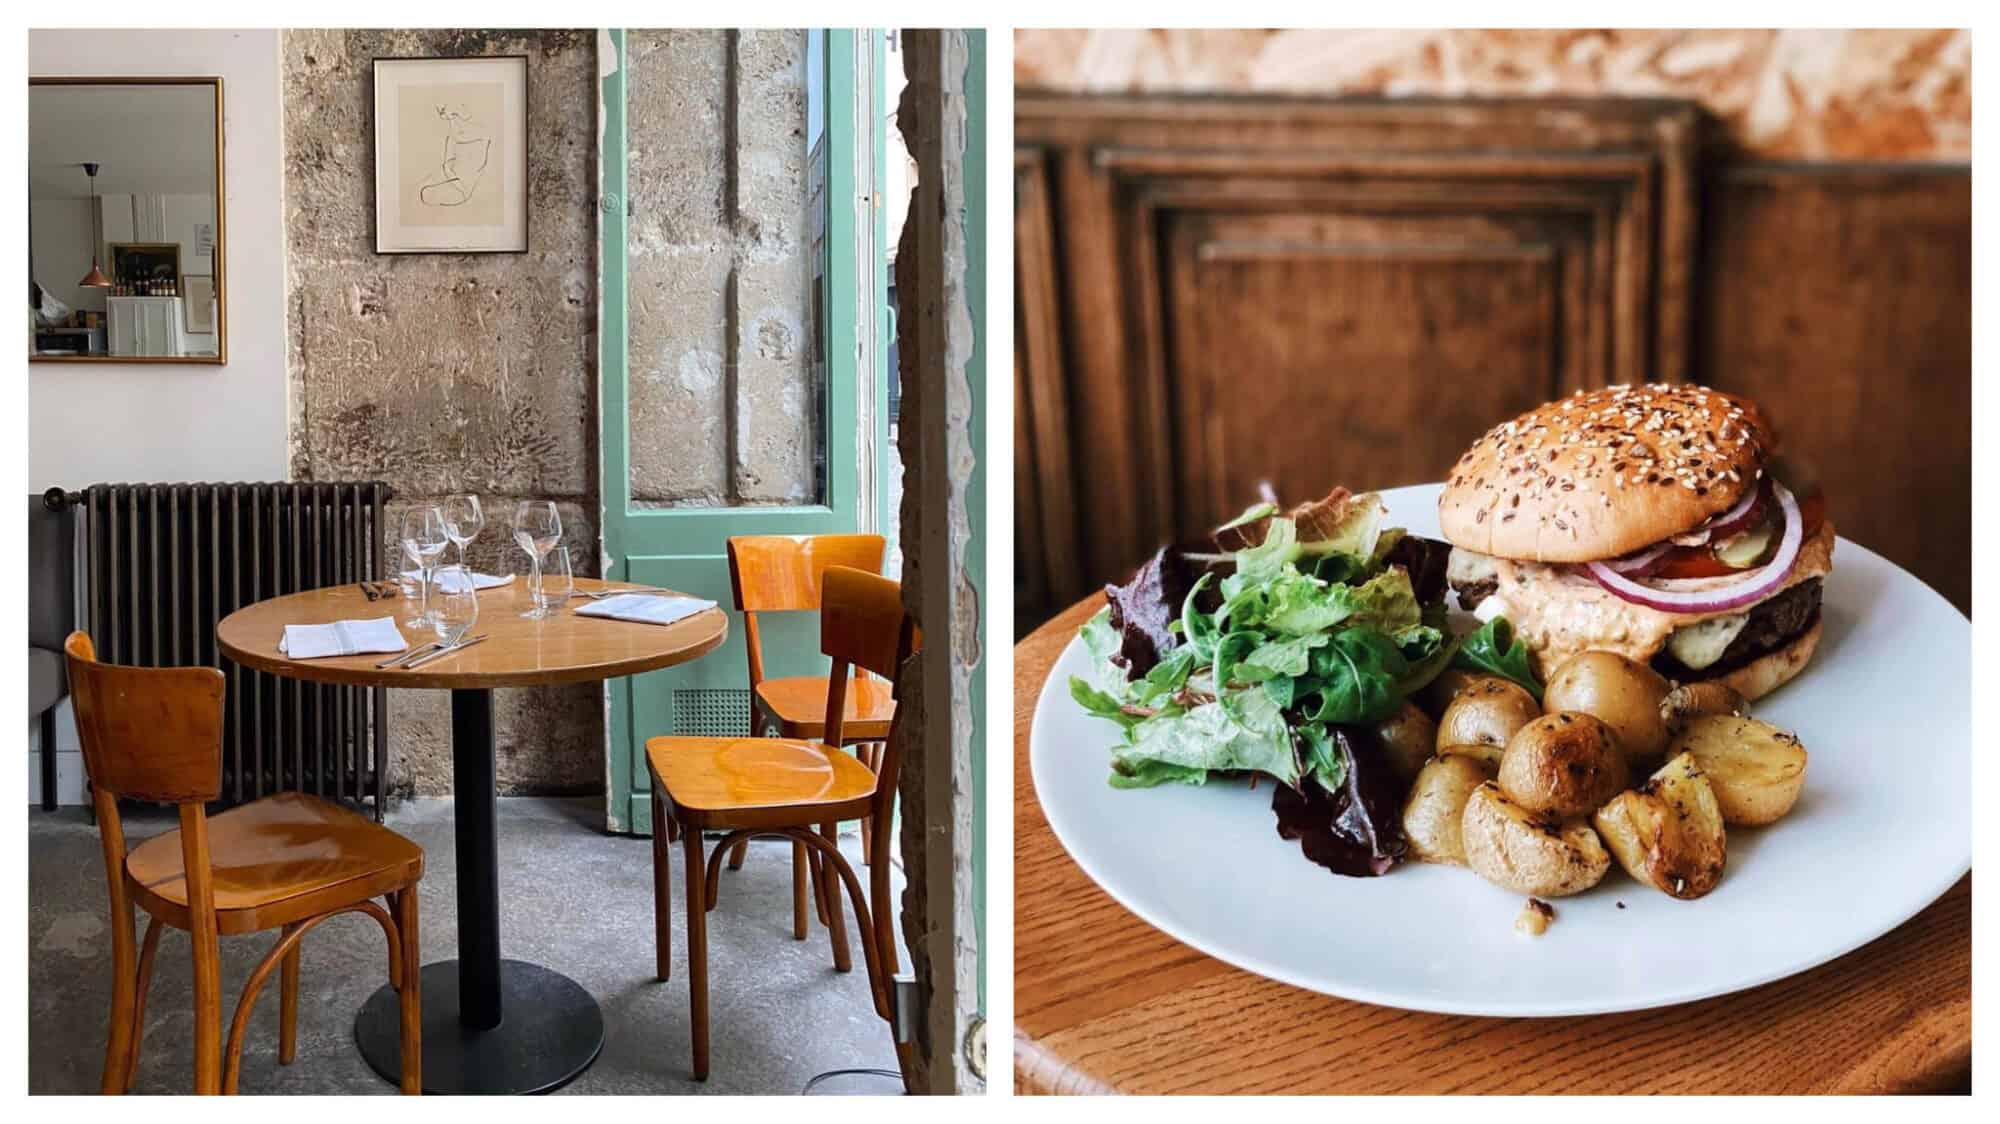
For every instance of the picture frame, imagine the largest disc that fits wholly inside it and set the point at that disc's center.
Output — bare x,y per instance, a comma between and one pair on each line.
132,262
198,302
451,155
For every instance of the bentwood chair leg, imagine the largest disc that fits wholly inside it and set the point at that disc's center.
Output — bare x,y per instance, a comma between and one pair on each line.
207,1012
866,752
800,876
146,952
736,855
663,886
410,997
118,1044
697,939
836,922
288,1006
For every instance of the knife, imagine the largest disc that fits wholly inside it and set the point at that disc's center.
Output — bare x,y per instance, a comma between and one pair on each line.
467,643
409,654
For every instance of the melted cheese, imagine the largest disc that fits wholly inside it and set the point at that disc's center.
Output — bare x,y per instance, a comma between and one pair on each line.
1558,612
1702,643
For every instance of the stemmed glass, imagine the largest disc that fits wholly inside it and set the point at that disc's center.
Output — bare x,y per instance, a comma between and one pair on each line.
537,528
463,521
458,605
424,541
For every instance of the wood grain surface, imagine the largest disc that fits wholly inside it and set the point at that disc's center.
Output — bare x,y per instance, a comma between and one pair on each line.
563,648
1103,1003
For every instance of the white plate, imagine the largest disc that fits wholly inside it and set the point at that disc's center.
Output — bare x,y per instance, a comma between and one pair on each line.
1882,829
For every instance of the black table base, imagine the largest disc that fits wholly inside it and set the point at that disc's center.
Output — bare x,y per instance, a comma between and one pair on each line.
490,1025
553,1032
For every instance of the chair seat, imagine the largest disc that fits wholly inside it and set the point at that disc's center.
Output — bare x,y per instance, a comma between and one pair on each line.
799,706
279,859
752,782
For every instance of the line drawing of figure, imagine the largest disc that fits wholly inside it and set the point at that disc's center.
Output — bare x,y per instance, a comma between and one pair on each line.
467,149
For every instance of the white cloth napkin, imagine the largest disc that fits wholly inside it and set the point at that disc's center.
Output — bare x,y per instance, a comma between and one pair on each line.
341,638
646,608
448,580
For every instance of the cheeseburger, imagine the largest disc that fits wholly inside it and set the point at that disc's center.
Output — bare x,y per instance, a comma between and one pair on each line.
1652,521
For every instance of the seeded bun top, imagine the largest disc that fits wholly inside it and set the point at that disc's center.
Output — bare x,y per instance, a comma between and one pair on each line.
1604,473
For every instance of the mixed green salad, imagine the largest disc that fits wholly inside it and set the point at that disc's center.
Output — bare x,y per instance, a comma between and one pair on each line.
1271,647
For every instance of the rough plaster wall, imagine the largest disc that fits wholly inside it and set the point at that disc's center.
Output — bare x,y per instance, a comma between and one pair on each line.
446,372
718,268
938,450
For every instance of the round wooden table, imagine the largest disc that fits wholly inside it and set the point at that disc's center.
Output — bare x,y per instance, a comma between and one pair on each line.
1104,1002
489,1025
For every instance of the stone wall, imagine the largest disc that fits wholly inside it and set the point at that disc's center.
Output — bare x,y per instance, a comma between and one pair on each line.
447,372
1794,94
722,411
940,449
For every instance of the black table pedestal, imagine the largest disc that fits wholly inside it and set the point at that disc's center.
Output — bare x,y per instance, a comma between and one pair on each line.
471,1042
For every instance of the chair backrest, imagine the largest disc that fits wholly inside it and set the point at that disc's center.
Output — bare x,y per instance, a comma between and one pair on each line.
863,624
151,733
51,575
785,573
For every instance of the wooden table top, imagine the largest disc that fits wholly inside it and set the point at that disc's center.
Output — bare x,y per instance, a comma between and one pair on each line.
1104,1002
564,648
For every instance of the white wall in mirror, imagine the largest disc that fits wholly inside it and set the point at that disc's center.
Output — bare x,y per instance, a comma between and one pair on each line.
92,422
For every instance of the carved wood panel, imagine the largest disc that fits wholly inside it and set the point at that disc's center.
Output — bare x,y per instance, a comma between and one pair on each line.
1321,292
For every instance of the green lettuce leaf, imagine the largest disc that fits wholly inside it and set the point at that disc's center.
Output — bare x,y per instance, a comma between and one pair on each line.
1244,730
1357,676
1495,650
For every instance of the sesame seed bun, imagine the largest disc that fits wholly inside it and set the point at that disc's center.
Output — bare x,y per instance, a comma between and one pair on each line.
1604,473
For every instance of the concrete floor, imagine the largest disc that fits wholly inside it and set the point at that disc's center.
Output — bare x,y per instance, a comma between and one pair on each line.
573,898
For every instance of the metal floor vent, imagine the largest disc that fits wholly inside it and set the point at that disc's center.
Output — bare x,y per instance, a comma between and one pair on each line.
711,712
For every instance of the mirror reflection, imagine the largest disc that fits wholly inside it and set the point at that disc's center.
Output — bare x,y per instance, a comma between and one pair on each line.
125,220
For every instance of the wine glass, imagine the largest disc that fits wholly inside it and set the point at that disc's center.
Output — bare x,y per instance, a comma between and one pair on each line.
458,605
463,520
424,541
537,528
558,578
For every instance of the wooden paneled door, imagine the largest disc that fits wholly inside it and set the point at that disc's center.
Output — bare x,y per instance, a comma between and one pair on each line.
1214,292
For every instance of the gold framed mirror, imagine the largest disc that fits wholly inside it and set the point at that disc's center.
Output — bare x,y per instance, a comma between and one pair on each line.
126,221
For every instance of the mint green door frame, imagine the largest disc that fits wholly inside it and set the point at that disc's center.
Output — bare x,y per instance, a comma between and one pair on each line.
684,547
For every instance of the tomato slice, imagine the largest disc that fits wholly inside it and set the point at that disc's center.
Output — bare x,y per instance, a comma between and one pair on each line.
1701,562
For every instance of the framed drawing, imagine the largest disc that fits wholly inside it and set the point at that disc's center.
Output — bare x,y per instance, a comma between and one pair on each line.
198,303
451,155
139,263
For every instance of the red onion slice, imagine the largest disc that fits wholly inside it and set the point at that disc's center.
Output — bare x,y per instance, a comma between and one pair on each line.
1633,564
1747,590
1746,514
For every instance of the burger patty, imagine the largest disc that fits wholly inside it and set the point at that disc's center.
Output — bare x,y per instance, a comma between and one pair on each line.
1772,625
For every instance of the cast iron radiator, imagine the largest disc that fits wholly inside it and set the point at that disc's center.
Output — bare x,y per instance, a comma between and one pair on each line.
163,563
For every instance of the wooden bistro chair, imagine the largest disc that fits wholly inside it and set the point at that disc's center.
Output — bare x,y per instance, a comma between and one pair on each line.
286,862
783,573
784,787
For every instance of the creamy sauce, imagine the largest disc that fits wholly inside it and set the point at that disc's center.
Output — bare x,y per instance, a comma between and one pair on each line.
1559,613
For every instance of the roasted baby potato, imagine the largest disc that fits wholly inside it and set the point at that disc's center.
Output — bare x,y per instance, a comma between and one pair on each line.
1488,756
1693,700
1487,712
1563,765
1438,693
1408,738
1435,811
1623,694
1529,852
1755,768
1668,832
